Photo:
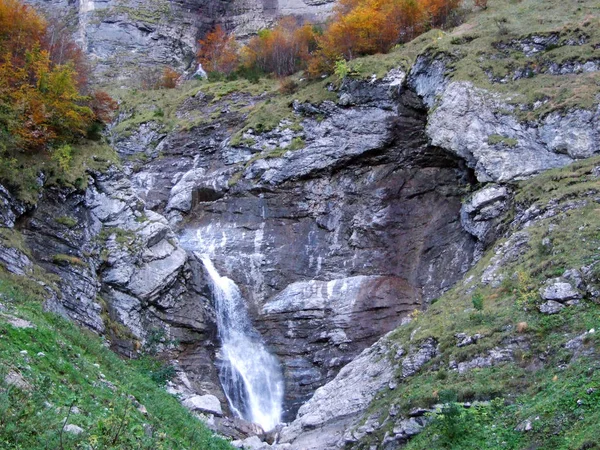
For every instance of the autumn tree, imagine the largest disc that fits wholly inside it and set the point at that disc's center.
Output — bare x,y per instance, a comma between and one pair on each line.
283,50
43,101
364,27
218,52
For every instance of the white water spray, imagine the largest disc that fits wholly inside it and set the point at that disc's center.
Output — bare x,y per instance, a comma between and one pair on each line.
251,377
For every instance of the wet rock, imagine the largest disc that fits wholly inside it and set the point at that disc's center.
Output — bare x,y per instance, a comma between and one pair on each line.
236,428
551,307
251,443
319,315
335,407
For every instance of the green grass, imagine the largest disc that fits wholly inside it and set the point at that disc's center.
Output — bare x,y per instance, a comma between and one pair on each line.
74,368
494,139
527,387
67,221
472,49
20,171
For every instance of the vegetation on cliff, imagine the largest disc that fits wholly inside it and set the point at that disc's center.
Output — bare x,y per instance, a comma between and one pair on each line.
532,379
61,387
46,103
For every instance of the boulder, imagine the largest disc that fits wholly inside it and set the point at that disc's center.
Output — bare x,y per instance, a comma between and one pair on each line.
204,403
559,291
551,307
73,429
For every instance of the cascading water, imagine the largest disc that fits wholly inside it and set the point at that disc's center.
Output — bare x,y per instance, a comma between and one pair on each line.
251,377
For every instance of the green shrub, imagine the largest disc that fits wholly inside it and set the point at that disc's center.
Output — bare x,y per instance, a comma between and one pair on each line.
67,221
477,300
63,155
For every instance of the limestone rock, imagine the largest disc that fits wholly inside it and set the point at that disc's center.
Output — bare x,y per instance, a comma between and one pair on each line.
322,421
204,403
14,260
481,214
17,380
551,307
418,356
463,339
559,291
73,429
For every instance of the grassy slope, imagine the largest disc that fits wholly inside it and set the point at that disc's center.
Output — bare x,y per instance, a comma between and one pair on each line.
20,172
77,369
544,383
474,50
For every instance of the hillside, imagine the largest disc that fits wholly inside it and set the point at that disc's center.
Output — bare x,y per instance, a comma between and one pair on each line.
61,387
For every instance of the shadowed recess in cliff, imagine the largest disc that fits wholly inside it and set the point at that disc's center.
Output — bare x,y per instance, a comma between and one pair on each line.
251,377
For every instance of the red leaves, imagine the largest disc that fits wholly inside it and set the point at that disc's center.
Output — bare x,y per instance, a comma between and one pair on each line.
364,27
43,82
283,50
218,52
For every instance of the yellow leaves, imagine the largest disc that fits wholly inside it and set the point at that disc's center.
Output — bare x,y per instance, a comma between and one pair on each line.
41,94
218,52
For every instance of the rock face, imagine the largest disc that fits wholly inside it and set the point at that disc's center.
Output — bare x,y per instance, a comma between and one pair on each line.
324,419
469,122
132,40
118,269
331,244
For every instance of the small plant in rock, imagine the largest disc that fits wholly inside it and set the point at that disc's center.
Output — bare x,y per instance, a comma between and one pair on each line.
341,69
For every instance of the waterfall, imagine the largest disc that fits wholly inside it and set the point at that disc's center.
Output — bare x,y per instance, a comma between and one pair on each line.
251,377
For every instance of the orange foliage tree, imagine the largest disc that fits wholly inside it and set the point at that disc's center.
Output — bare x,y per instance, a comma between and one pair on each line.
356,28
283,50
364,27
218,52
42,96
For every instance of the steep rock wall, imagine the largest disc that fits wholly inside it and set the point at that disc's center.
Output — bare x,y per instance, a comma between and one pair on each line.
332,244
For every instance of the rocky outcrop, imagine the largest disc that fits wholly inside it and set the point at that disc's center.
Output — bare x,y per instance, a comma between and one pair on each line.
330,419
373,224
117,268
482,128
324,419
317,327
